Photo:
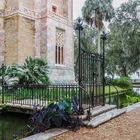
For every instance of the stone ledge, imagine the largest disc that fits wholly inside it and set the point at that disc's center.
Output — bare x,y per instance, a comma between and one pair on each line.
101,109
102,118
47,134
132,107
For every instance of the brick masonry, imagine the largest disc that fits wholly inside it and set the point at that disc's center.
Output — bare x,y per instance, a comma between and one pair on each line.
28,28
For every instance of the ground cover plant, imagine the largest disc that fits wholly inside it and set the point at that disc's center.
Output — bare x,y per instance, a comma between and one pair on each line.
60,114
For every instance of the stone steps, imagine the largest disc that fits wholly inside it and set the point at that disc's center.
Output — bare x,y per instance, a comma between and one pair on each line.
101,109
104,117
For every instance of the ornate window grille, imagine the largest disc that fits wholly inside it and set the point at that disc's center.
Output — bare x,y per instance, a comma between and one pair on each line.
59,52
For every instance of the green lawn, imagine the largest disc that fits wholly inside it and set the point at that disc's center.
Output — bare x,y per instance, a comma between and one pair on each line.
53,94
113,89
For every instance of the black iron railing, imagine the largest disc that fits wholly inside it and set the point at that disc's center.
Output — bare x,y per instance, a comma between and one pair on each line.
113,96
43,95
13,134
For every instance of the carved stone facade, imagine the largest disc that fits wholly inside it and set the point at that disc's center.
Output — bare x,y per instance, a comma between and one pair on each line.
29,28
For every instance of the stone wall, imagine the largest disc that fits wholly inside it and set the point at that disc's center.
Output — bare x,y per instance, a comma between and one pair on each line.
1,32
29,29
19,31
65,72
61,7
26,38
11,40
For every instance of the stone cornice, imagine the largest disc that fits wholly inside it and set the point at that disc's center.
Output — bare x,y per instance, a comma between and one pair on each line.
23,11
28,13
58,18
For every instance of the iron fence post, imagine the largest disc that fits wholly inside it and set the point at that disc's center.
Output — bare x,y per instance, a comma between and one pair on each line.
104,38
80,28
3,67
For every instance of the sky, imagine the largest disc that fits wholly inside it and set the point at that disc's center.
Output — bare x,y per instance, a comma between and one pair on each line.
77,5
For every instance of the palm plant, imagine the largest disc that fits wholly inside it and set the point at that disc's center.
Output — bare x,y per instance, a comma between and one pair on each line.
95,11
87,40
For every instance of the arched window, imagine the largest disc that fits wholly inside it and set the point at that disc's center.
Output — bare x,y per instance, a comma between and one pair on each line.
59,50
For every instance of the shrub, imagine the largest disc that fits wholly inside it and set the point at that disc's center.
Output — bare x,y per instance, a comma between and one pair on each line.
60,114
123,82
33,71
130,99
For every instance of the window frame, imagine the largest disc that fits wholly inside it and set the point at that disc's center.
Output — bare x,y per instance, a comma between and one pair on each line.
59,50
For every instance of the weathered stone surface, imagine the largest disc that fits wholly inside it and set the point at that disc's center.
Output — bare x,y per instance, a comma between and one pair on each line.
28,28
47,135
101,109
104,117
132,107
26,32
11,40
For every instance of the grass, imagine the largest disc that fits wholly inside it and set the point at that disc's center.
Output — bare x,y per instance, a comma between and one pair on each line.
52,94
49,94
113,89
108,89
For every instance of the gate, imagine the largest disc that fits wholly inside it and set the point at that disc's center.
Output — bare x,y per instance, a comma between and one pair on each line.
90,75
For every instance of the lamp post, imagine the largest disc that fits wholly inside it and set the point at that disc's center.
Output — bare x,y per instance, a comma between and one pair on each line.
104,38
79,28
3,70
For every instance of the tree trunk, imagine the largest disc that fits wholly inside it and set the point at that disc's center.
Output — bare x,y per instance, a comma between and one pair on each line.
99,52
124,72
98,44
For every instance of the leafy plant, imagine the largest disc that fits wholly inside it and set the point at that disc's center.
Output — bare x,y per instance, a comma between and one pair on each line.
130,99
123,52
123,82
33,71
55,115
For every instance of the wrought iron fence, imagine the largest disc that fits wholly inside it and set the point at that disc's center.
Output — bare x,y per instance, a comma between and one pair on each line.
30,95
43,95
91,75
113,97
13,134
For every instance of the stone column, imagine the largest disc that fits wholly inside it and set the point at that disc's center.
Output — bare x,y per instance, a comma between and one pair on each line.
41,28
1,32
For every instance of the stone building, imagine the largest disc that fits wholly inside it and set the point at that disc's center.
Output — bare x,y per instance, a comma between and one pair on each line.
41,29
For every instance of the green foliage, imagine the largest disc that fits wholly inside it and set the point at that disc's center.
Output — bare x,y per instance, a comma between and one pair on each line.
123,51
123,82
33,71
55,115
88,36
95,11
125,99
0,71
65,104
130,99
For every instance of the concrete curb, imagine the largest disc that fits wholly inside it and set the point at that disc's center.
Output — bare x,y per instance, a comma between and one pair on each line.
47,134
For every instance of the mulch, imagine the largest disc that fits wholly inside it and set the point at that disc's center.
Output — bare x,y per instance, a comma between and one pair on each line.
124,127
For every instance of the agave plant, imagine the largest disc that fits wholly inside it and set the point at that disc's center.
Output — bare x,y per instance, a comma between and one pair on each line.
33,71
